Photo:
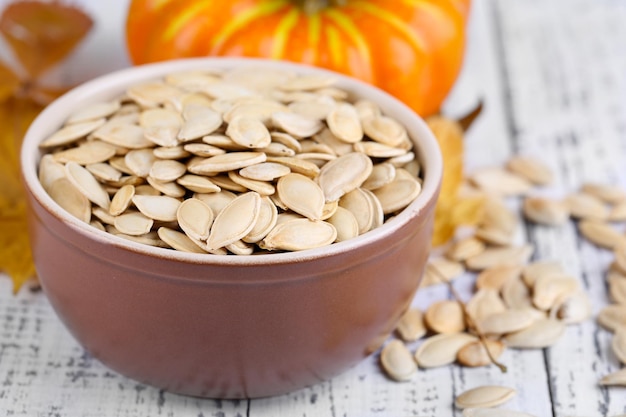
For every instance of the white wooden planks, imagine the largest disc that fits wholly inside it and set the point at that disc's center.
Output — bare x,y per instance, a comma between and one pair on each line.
552,74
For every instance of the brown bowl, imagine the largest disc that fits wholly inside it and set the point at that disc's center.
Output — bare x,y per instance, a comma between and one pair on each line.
219,325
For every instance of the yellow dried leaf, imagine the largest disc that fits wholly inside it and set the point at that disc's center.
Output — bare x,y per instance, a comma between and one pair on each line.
15,255
42,34
9,82
451,211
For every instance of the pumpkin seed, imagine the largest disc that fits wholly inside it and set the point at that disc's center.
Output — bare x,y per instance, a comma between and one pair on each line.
70,198
540,334
133,223
103,215
484,303
261,187
545,211
240,248
265,171
151,94
195,218
442,349
531,169
121,200
161,208
301,195
198,184
444,268
615,378
287,140
575,309
382,174
313,109
126,135
516,294
586,206
268,215
343,121
224,182
494,236
475,354
235,220
202,149
298,166
167,170
397,361
493,257
85,182
610,194
465,248
344,174
71,133
178,240
249,133
361,206
399,193
50,171
202,122
411,326
104,172
366,109
384,130
445,317
508,321
620,256
161,126
550,288
296,125
227,162
217,201
86,153
533,271
497,276
307,82
95,111
345,223
484,396
601,234
497,181
140,161
378,150
612,317
299,234
496,215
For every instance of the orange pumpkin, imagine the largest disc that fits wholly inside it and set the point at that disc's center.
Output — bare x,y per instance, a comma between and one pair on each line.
413,49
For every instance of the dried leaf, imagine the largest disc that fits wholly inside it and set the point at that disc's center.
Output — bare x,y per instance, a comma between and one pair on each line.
42,34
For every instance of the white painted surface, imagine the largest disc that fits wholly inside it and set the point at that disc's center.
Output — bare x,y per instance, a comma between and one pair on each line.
552,75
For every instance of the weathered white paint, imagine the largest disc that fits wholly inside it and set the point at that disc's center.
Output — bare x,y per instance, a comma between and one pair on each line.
552,74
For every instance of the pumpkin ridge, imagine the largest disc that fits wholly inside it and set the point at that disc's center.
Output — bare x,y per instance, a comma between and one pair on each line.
392,20
344,22
287,23
334,46
181,21
242,20
314,34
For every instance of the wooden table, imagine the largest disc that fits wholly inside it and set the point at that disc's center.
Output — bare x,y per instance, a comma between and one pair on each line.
552,74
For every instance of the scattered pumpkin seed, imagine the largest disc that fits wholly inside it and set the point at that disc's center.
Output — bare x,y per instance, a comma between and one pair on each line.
397,361
484,396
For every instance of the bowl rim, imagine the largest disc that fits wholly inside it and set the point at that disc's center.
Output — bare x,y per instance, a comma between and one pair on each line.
52,117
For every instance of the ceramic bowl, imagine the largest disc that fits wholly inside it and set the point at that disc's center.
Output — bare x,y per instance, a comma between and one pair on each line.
226,326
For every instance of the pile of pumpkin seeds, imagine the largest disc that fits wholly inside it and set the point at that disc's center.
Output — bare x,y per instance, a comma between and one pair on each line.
236,161
516,304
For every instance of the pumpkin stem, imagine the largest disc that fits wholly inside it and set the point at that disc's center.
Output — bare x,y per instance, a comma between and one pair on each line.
315,6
